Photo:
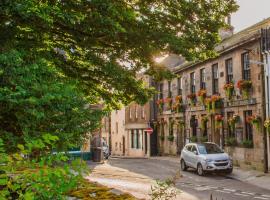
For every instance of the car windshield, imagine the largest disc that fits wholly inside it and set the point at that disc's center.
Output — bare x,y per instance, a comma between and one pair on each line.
208,148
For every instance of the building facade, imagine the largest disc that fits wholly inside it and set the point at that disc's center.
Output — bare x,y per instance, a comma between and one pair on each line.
219,100
139,119
118,133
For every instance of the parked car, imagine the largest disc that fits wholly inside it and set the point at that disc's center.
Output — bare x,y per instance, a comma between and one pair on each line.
205,157
106,150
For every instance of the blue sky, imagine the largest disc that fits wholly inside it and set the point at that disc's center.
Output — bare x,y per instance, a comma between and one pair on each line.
250,12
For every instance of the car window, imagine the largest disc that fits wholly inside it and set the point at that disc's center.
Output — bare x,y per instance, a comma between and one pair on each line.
209,148
188,147
193,148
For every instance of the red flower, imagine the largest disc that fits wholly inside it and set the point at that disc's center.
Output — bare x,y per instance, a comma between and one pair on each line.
218,117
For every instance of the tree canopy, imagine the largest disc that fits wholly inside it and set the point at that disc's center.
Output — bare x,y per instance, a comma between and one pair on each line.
102,44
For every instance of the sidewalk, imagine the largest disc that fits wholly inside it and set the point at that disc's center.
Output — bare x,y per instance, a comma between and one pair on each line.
253,177
129,182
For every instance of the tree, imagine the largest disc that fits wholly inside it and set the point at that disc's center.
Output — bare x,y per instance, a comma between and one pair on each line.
36,99
103,44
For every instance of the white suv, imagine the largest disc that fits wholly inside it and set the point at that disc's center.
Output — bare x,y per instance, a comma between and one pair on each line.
205,157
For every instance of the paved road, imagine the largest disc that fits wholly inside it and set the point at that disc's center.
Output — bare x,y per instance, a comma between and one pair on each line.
221,186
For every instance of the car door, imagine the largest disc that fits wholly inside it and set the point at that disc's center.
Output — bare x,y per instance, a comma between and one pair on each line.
186,154
193,156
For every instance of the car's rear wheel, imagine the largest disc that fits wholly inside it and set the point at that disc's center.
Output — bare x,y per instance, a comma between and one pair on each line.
200,170
183,165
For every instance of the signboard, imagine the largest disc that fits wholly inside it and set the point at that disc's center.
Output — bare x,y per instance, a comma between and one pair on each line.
149,130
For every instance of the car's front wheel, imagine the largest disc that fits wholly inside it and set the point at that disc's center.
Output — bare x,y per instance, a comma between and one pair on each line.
229,171
200,170
183,165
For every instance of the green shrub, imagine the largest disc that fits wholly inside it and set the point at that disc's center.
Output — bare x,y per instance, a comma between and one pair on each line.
231,141
204,139
170,138
194,139
33,172
247,143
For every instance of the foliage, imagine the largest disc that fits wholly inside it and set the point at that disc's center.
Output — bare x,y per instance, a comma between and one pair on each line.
24,175
247,143
244,86
193,139
192,99
163,190
229,89
170,138
204,139
232,121
216,102
104,43
36,99
93,191
254,120
202,95
267,124
231,141
218,121
204,121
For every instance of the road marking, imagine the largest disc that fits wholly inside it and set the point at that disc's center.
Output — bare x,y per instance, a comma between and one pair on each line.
231,190
223,191
239,194
249,193
261,198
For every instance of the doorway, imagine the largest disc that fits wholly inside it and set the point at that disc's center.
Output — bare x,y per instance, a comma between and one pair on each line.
124,145
145,143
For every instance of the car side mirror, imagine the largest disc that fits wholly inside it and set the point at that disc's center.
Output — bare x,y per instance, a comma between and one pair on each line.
195,152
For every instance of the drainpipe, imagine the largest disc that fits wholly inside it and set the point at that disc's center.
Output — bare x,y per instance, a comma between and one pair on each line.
266,108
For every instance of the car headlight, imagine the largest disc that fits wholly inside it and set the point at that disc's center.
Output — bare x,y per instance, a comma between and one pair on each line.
209,160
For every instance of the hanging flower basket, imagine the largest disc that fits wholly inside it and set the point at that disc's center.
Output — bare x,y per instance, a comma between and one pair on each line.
267,124
254,120
181,124
160,104
218,121
208,104
202,95
204,120
168,101
216,102
192,99
229,89
244,86
232,121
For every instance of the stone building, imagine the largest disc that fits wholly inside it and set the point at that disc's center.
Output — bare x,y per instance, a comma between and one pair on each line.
140,118
219,100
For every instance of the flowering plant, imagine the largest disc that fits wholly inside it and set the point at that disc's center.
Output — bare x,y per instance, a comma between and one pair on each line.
168,100
267,124
178,104
229,88
244,86
202,95
192,98
232,121
218,121
178,99
216,101
254,120
181,124
208,103
204,120
160,104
